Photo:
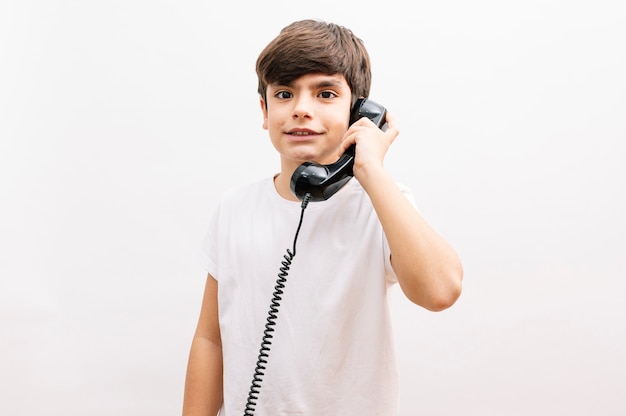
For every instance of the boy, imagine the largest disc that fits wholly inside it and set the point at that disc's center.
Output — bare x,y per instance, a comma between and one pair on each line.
328,348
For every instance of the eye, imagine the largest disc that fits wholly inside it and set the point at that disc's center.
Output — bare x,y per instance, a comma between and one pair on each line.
327,94
283,95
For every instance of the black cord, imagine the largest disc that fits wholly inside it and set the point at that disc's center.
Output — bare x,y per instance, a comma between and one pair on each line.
255,387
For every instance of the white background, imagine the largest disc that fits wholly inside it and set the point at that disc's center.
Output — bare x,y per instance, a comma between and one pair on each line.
122,122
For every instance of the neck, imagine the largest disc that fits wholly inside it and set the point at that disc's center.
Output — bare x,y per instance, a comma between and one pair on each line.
282,183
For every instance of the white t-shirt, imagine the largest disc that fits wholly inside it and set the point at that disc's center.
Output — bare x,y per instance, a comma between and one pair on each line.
331,351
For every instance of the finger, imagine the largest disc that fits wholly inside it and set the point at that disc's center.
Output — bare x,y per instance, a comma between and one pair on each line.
348,140
392,128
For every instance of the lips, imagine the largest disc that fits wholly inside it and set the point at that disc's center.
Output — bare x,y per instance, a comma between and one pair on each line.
302,135
302,132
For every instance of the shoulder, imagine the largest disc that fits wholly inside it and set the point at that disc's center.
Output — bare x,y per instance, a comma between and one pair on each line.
248,192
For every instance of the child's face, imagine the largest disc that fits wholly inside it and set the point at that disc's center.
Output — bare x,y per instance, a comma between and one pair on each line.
307,119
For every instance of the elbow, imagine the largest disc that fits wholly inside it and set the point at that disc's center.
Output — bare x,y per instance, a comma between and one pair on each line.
448,292
441,294
444,299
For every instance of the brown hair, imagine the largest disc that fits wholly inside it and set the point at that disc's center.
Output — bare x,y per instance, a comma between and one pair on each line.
314,46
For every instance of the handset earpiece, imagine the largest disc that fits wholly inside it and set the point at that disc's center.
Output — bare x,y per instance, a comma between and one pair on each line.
364,107
323,181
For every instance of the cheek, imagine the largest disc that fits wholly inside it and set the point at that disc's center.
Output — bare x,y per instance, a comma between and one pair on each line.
271,124
273,127
274,121
337,119
340,127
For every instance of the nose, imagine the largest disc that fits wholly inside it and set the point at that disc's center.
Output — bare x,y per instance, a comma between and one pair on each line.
302,107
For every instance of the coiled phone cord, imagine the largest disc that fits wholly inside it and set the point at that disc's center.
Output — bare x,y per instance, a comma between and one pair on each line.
255,387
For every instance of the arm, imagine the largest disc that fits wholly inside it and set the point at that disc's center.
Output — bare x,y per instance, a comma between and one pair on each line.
203,383
428,269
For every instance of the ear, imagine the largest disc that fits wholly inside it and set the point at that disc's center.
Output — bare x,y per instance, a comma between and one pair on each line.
264,110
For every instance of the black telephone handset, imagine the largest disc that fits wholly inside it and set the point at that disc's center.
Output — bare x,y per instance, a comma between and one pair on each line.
323,181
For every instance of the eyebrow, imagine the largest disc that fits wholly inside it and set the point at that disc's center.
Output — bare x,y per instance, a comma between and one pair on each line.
330,82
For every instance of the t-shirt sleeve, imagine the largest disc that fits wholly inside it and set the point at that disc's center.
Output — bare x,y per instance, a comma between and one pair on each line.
208,247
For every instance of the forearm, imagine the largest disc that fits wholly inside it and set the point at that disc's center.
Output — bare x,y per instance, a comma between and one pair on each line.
203,384
428,269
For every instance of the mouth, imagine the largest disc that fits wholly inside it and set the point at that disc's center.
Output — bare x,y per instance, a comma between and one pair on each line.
302,135
302,132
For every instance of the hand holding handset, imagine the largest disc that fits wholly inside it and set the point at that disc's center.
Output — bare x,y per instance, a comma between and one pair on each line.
323,181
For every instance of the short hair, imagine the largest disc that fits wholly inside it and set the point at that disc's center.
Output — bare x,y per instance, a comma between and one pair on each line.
314,46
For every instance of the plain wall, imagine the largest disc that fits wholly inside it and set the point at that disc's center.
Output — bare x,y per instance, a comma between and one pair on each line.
122,122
